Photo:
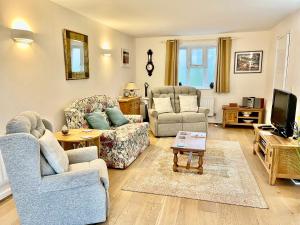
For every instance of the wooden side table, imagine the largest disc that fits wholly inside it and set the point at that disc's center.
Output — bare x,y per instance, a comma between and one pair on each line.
130,105
79,137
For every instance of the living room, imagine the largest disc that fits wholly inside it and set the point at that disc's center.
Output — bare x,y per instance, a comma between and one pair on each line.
128,46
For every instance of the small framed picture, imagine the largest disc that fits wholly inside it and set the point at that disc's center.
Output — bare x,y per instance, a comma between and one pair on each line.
248,62
125,57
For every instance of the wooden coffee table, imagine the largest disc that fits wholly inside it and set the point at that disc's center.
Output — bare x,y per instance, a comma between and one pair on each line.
191,143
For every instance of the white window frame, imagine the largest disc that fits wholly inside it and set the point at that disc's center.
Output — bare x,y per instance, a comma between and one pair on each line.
204,60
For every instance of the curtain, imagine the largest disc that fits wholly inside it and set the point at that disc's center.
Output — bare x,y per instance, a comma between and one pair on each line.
171,69
223,65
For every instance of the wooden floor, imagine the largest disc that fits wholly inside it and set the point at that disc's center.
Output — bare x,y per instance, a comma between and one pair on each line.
131,208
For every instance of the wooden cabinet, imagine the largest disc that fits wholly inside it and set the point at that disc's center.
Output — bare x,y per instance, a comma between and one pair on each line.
280,156
130,106
242,116
230,116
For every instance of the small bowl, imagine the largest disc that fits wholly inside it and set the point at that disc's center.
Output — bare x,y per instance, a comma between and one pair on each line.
248,121
65,132
246,114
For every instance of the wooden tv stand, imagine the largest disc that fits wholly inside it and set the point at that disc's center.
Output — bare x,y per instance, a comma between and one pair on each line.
280,156
234,116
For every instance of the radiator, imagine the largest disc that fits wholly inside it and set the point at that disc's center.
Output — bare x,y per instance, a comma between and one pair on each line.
4,186
208,102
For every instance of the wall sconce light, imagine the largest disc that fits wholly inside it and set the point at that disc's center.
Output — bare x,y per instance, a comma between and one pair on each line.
106,52
22,36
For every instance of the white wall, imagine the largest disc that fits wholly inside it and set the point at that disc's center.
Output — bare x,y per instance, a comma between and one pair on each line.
34,78
290,24
242,85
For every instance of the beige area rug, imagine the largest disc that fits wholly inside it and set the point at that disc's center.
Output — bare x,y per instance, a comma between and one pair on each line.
226,175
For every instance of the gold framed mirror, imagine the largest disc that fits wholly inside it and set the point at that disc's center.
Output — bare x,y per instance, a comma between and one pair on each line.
76,55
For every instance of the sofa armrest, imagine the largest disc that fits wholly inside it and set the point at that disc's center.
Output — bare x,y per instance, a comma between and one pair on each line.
104,174
107,138
68,180
134,118
79,155
153,113
203,110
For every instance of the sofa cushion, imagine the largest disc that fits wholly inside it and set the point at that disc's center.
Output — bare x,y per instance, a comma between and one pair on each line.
128,131
161,92
193,117
163,105
116,116
188,103
97,120
169,118
183,90
54,153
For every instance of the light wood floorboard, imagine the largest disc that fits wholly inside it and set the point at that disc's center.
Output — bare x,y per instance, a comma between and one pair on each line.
132,208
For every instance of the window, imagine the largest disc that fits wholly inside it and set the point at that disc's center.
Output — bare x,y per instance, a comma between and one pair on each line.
197,66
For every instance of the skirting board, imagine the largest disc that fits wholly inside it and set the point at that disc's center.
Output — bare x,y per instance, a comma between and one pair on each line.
4,191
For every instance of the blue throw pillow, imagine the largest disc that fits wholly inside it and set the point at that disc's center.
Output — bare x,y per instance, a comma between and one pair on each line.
97,120
116,116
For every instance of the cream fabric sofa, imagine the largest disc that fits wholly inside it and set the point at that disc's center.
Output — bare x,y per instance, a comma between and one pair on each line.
168,124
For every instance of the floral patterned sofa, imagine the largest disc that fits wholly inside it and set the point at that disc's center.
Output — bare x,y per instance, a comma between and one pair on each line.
120,146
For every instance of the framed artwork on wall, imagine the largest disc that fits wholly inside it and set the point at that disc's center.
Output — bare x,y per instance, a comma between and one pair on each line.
76,55
125,57
248,62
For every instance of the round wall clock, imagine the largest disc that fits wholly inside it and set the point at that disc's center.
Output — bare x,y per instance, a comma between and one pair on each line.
149,65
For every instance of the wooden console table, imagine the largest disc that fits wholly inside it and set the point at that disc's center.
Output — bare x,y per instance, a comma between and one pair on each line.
235,116
280,156
130,105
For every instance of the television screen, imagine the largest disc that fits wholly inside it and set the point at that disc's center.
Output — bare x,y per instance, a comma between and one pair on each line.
280,106
283,112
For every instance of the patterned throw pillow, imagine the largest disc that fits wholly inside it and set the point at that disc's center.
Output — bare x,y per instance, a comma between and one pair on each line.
188,103
163,105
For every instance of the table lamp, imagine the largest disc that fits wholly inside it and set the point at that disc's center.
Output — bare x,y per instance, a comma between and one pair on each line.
131,88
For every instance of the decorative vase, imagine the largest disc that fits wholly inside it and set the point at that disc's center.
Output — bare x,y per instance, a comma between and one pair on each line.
65,130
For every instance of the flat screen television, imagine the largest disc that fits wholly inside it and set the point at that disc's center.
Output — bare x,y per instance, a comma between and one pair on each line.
283,113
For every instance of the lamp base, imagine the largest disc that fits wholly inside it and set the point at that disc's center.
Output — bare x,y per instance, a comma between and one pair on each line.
132,93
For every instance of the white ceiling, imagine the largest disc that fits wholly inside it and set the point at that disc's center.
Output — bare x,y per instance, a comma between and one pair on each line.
183,17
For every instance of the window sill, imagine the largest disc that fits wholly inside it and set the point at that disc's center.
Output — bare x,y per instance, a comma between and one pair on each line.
203,88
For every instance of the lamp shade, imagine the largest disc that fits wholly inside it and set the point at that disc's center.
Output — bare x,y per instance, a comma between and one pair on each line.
131,86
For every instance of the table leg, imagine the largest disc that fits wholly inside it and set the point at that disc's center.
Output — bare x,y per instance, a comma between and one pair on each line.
188,164
76,145
175,160
97,142
200,162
